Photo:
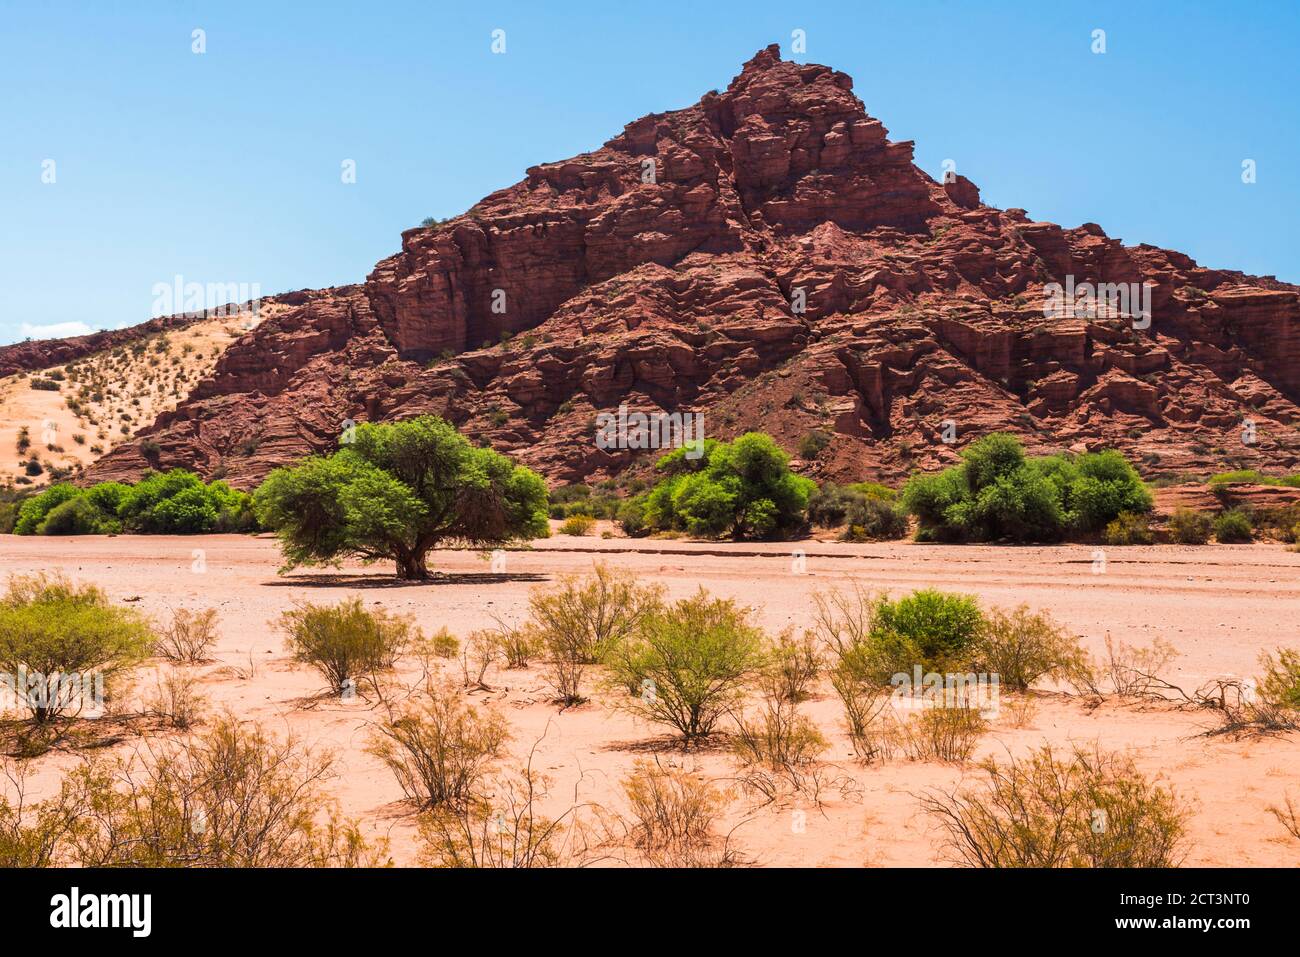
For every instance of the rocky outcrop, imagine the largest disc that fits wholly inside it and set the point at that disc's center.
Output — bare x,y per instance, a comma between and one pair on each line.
769,258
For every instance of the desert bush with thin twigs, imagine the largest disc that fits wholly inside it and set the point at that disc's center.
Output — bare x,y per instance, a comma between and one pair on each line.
234,796
592,614
1280,684
586,620
175,699
1288,815
506,829
692,659
55,629
674,816
480,652
443,644
842,622
34,835
1130,671
1085,808
441,748
779,749
1021,647
794,664
942,732
188,638
517,644
346,642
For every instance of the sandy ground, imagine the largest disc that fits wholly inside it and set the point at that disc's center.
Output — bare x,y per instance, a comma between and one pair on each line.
1220,605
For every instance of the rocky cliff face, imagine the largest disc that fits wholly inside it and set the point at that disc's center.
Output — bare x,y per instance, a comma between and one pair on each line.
769,258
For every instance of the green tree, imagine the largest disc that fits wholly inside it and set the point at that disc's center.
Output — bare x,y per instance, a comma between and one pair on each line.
394,493
744,489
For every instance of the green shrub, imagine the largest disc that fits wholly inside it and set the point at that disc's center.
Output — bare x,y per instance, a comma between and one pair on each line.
874,519
76,516
998,494
1190,527
1128,529
930,628
577,525
743,489
813,443
33,511
345,642
689,662
51,627
1233,528
1021,646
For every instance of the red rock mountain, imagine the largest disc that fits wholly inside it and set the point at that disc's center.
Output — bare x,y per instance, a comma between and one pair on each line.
662,271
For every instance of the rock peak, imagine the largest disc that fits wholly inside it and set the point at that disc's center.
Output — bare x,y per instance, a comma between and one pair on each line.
764,59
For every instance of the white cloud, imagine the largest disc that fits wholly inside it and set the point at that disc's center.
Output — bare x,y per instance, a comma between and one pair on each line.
57,330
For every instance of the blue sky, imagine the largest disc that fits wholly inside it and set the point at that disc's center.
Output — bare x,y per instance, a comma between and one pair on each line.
225,166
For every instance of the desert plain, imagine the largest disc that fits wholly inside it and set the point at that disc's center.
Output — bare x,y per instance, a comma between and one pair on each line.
1219,606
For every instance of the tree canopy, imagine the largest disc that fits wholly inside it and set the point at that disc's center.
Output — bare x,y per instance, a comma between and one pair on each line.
395,492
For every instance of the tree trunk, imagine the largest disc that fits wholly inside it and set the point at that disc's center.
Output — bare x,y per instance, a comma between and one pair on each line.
412,567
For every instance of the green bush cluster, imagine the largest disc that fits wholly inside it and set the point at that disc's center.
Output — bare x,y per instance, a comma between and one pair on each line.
1253,477
998,494
742,489
569,500
162,503
1233,527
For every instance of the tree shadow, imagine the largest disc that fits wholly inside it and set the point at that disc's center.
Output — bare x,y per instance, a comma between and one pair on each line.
343,580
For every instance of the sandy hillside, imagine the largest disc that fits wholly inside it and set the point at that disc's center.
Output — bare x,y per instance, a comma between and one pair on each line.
1220,606
105,398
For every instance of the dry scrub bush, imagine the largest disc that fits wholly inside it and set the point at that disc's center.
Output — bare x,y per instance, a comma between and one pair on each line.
517,644
1084,809
692,660
674,814
54,629
1020,647
1288,815
588,617
794,664
34,835
189,637
443,644
942,733
779,750
345,641
1280,685
1126,670
232,797
586,620
440,749
506,830
480,651
175,699
842,621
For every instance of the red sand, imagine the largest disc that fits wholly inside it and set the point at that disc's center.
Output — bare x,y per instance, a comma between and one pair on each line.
1219,605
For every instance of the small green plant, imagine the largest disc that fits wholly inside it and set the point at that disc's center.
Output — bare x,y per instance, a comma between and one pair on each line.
578,525
1233,528
813,443
1022,647
1190,527
345,642
53,629
690,662
1128,528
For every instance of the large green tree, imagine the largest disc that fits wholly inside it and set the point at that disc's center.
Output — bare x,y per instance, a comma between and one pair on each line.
394,492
